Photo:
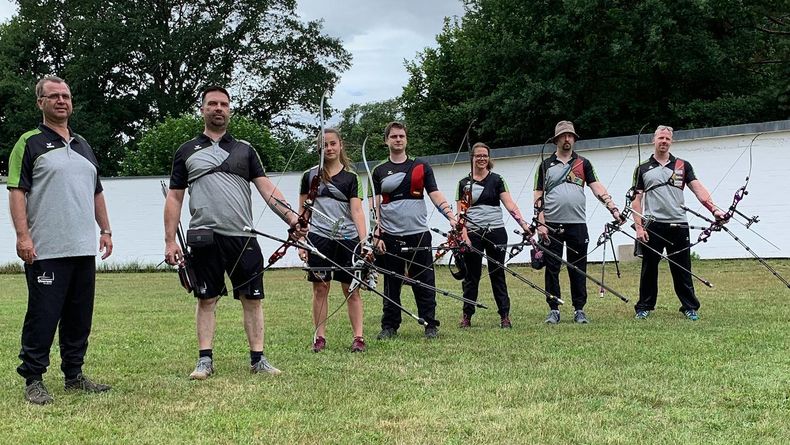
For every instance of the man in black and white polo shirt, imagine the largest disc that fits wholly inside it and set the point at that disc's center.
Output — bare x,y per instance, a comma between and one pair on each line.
400,184
660,182
218,170
559,182
56,200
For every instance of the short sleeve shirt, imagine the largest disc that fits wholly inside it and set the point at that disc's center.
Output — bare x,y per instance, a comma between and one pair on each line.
60,179
662,188
563,188
332,213
218,175
485,210
402,188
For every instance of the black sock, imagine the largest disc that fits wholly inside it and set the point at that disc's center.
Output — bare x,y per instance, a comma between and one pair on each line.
255,357
30,380
205,353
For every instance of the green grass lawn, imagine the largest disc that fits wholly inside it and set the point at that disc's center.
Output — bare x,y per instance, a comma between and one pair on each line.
723,379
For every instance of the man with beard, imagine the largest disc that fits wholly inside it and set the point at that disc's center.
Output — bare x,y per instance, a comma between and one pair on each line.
55,196
218,170
659,183
559,187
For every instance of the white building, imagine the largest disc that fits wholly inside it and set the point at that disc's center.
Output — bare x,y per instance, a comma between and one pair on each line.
720,156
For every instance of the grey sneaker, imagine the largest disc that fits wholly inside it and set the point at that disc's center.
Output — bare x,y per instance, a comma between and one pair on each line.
264,367
203,369
387,333
553,317
37,394
82,383
641,315
580,317
691,314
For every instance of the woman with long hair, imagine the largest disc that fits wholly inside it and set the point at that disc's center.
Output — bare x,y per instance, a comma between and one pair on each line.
336,228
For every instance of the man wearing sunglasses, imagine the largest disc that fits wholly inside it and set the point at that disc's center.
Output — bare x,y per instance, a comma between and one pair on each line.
660,182
56,200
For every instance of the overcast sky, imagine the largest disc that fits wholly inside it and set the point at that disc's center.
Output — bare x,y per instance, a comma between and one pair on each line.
380,35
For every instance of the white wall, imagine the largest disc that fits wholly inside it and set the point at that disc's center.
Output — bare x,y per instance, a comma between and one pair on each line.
722,163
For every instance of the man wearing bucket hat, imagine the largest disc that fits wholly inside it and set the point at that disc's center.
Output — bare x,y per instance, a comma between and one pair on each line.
560,200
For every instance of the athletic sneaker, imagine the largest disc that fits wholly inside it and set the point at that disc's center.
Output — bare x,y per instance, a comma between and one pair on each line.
82,383
319,344
431,332
580,317
387,333
553,317
466,321
264,367
641,315
505,323
358,345
203,369
691,314
37,394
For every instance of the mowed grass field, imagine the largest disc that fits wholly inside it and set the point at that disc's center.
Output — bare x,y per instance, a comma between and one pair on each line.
723,379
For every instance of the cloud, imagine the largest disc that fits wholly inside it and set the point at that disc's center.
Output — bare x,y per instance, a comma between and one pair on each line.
380,35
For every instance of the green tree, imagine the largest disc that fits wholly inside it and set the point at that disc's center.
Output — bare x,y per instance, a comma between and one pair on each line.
610,65
359,121
154,151
131,63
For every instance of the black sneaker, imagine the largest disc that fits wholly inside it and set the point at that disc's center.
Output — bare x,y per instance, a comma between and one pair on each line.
387,333
580,317
37,394
505,323
431,332
82,383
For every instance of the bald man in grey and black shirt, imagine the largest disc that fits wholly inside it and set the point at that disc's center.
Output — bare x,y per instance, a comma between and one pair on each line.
559,183
660,182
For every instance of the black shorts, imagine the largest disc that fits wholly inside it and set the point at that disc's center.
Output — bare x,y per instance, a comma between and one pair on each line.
339,251
239,256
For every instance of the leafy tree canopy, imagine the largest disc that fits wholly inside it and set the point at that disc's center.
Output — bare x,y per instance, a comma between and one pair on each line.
609,65
131,63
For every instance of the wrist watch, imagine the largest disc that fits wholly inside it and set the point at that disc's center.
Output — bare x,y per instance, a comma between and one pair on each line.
105,232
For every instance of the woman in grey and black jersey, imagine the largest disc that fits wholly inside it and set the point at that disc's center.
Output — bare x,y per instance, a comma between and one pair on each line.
485,230
336,226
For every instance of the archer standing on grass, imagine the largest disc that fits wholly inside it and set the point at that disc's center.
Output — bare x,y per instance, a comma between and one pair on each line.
338,200
485,190
559,185
659,183
218,170
400,183
56,198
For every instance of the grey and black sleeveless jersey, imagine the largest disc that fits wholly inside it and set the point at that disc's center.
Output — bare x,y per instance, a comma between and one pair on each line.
61,179
402,188
563,188
332,215
662,188
485,210
218,175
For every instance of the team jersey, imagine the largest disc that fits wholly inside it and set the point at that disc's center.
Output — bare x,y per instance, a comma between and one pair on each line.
332,207
563,188
60,179
485,210
662,188
402,188
218,176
